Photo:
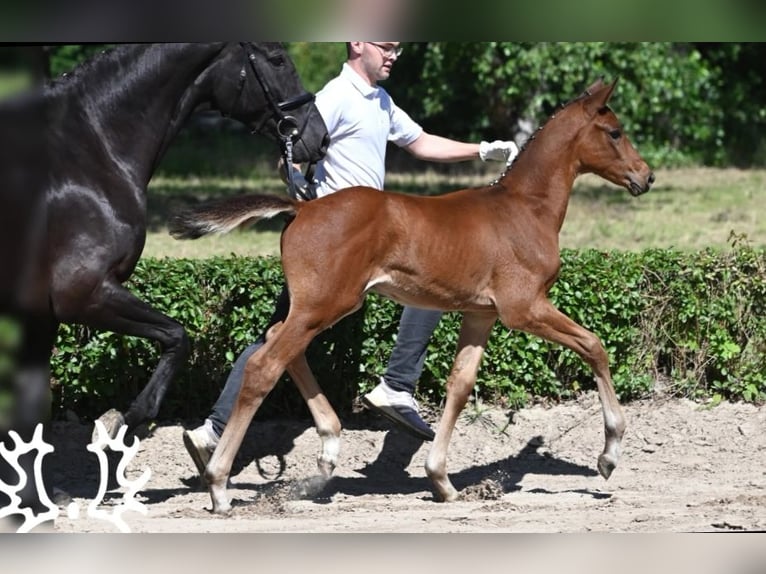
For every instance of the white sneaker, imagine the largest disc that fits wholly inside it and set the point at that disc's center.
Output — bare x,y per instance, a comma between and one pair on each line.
400,407
200,444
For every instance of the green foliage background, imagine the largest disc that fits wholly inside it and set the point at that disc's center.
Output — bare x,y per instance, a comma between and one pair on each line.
693,321
682,103
696,322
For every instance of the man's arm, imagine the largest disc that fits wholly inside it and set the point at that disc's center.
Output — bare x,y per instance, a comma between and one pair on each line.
430,147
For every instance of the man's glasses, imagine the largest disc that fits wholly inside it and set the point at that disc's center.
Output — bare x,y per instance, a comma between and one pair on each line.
388,51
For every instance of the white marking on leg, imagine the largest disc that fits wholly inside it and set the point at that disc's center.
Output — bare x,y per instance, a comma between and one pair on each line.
331,448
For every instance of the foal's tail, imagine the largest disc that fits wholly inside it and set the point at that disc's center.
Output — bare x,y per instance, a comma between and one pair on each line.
224,215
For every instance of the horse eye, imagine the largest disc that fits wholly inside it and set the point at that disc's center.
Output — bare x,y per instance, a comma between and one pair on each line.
276,61
615,134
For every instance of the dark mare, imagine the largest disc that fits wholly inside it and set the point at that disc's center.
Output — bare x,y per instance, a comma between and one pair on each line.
77,157
491,252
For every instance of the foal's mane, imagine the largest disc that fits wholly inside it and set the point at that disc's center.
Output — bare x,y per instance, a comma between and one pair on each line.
540,128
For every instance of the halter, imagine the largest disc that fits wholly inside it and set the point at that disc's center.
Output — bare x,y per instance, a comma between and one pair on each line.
287,125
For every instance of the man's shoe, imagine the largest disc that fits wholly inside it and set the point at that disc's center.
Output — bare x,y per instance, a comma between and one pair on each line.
399,407
200,444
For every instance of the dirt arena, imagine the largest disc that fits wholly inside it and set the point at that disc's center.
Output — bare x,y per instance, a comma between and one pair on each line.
685,468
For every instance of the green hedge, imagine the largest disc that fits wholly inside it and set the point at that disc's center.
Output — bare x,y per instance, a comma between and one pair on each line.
693,321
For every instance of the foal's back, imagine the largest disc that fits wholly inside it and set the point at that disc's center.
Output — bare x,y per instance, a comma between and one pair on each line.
443,250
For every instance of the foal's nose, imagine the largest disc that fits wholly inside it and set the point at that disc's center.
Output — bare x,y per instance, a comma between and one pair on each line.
649,181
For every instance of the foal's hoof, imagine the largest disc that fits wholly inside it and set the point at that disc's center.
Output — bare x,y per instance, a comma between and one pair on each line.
326,467
445,493
448,497
112,421
218,497
606,465
221,507
222,510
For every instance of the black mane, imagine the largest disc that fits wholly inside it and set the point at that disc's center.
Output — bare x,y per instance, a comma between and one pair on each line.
108,55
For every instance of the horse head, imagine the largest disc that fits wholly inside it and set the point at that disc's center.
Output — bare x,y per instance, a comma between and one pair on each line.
603,148
256,84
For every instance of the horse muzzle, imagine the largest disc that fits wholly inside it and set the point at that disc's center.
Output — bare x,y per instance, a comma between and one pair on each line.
306,149
640,186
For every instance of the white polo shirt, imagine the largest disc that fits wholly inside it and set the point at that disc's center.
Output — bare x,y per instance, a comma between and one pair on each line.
360,119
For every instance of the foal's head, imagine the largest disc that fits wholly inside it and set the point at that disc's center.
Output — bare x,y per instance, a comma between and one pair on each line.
602,147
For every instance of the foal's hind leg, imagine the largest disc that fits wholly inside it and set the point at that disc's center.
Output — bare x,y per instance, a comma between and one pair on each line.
473,338
325,419
114,308
549,323
262,371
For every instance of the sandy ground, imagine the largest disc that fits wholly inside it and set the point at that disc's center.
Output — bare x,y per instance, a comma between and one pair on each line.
685,468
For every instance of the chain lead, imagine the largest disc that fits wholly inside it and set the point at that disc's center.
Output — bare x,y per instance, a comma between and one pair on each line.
293,188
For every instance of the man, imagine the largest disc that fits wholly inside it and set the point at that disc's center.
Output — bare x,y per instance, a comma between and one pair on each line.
361,118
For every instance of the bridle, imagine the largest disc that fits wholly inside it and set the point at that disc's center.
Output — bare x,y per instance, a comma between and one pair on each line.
288,128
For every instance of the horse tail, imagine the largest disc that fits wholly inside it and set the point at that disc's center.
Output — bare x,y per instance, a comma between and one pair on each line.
225,215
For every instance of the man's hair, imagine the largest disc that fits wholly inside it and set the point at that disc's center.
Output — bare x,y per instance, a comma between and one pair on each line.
348,50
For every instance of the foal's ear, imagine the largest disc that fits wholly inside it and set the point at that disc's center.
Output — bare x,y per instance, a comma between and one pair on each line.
598,95
595,86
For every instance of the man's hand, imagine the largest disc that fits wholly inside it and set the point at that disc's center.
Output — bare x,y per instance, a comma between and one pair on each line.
498,150
298,179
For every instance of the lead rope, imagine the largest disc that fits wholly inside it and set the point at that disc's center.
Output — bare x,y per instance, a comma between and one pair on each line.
293,188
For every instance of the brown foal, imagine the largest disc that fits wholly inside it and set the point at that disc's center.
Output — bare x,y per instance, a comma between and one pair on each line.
491,252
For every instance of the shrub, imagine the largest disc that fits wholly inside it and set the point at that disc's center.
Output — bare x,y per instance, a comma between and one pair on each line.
693,320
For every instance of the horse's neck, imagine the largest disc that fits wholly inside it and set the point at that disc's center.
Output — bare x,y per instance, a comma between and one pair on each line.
149,90
545,171
542,177
188,95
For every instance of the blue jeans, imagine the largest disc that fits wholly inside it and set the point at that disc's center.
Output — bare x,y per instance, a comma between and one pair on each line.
402,373
406,362
225,403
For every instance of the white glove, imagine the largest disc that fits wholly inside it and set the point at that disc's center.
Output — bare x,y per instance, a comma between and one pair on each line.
498,150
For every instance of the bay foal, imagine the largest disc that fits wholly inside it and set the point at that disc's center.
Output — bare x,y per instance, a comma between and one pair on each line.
491,252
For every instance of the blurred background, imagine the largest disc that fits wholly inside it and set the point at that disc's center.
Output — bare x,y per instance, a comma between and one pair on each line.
682,103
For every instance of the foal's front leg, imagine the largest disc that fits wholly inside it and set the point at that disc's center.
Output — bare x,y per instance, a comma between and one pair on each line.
551,324
473,338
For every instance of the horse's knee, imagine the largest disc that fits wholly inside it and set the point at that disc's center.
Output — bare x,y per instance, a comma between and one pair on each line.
593,352
273,330
177,340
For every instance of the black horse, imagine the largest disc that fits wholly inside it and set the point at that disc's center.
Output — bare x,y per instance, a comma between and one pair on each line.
75,161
